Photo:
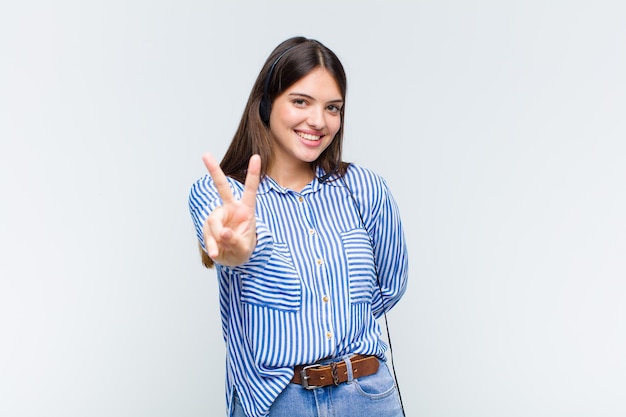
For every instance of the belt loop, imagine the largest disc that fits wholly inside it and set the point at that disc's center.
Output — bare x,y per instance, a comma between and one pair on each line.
348,369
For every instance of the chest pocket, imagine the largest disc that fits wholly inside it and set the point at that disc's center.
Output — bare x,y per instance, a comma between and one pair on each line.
361,269
277,286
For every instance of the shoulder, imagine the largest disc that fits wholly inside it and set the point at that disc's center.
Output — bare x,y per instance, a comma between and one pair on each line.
364,178
360,170
207,184
203,189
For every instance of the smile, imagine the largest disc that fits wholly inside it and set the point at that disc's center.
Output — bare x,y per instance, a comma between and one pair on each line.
308,136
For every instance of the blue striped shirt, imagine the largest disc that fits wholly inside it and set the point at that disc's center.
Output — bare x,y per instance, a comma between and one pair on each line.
309,290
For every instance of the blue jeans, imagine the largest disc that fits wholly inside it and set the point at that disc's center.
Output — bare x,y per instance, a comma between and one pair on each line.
374,395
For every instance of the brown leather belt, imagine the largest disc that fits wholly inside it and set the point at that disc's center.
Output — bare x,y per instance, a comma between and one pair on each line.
315,376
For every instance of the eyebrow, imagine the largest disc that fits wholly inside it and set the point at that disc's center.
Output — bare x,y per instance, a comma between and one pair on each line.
339,100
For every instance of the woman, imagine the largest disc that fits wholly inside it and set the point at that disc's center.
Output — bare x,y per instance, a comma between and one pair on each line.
309,250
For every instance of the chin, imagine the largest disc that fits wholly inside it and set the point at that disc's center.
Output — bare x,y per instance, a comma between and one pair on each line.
309,157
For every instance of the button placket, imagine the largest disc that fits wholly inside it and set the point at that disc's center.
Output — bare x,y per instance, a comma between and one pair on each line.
321,278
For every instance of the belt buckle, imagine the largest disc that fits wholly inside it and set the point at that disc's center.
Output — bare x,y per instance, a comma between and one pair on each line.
305,377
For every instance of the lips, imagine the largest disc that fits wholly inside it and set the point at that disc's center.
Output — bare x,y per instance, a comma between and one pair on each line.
308,136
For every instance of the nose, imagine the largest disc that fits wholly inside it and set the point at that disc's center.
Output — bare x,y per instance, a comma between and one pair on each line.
316,117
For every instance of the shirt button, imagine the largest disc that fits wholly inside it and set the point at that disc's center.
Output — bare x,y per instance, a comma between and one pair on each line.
311,232
329,335
320,262
325,298
300,199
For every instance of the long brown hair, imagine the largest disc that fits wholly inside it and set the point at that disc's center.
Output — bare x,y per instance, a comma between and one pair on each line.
290,61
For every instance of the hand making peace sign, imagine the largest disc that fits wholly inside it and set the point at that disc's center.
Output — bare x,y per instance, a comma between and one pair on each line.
230,229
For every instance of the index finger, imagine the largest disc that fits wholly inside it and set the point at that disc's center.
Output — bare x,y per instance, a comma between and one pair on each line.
252,181
219,178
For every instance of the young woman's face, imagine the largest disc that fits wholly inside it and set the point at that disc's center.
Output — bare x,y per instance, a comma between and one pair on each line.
304,119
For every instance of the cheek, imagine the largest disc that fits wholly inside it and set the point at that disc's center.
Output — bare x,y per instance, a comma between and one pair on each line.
283,116
336,125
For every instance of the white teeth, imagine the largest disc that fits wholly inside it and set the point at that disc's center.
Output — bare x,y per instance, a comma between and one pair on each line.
308,137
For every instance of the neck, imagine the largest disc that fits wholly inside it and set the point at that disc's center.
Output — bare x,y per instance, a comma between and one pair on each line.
292,179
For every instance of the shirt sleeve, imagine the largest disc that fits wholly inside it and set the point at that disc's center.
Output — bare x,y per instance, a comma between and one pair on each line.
390,252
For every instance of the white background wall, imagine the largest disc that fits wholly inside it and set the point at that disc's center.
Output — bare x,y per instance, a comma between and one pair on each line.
499,125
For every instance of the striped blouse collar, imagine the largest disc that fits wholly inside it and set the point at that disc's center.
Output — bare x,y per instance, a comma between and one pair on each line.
269,184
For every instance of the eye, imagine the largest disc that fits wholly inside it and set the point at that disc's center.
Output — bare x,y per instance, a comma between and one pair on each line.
334,109
299,102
